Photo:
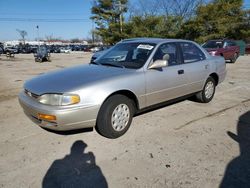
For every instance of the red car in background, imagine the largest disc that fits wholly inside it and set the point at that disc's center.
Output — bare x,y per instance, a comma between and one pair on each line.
226,48
248,49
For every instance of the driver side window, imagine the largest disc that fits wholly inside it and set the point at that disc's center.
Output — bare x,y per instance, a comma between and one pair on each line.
167,52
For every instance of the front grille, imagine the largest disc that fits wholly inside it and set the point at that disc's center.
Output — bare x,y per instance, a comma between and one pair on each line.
33,95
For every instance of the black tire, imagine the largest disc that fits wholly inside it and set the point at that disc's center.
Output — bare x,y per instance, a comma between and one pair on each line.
201,96
105,125
40,60
234,58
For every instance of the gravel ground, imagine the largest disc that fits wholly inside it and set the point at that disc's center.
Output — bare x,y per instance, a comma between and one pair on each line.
186,144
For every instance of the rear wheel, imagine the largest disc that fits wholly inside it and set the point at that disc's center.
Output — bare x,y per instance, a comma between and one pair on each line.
234,58
207,94
40,60
115,116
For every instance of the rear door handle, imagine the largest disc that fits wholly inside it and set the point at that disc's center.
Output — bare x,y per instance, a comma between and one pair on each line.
180,71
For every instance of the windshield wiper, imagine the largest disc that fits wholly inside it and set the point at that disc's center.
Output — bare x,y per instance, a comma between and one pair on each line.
113,65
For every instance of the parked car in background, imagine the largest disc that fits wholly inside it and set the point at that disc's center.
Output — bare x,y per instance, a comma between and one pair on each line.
248,49
104,49
133,75
225,48
24,49
96,55
42,54
11,50
95,49
87,48
54,49
65,50
1,50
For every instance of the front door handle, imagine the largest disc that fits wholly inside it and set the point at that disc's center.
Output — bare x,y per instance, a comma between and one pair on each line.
180,71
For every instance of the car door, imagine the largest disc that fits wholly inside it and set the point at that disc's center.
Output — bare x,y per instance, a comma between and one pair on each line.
168,82
232,46
195,65
227,50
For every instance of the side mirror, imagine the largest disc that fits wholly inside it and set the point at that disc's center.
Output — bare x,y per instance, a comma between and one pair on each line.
158,64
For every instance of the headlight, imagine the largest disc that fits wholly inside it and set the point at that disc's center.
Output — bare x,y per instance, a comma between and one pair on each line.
213,53
59,99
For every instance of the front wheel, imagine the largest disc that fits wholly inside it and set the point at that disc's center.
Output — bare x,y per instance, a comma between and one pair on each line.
115,116
207,94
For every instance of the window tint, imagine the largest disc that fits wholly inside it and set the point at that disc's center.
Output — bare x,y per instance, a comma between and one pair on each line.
191,53
168,52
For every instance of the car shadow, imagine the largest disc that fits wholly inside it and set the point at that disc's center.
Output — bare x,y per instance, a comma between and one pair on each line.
165,104
70,132
77,169
237,173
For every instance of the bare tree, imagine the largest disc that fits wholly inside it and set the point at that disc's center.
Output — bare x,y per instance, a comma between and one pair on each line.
143,8
23,34
94,37
75,40
183,9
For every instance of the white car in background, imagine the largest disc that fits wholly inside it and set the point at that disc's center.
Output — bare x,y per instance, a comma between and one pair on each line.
65,50
95,49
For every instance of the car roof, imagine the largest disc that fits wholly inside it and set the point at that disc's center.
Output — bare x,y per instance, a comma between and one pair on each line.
152,40
222,40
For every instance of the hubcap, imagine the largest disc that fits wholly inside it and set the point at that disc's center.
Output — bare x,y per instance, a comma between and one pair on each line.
235,56
209,90
120,117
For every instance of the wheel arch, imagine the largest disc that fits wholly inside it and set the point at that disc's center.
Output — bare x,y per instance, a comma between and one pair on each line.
215,77
126,93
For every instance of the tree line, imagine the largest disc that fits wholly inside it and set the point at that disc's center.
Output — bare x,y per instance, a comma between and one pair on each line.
198,20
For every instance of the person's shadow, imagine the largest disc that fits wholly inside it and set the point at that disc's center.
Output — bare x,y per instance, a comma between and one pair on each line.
237,173
78,169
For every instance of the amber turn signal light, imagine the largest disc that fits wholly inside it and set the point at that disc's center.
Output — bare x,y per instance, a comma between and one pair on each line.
47,117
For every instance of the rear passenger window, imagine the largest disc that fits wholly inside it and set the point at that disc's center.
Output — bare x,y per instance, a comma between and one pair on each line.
231,44
191,53
167,52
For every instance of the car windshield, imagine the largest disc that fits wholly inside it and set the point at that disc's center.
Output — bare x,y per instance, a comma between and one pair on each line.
213,44
128,55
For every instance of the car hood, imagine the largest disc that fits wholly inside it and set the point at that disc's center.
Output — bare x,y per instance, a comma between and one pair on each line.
71,79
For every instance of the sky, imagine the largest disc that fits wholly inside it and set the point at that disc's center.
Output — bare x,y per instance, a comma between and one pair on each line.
60,18
77,10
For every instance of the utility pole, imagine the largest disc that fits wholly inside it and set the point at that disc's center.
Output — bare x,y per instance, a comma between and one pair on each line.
92,32
121,16
38,36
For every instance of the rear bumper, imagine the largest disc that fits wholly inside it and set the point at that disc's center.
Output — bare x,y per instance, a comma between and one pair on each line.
70,118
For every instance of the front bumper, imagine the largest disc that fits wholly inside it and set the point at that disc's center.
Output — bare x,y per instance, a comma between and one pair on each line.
67,118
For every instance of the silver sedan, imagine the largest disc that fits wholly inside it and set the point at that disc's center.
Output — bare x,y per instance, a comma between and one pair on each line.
133,75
